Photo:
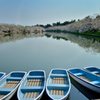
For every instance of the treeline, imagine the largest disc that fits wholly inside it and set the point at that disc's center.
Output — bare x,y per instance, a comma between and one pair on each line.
10,29
89,25
57,24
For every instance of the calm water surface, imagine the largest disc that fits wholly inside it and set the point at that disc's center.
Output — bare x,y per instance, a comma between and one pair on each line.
51,51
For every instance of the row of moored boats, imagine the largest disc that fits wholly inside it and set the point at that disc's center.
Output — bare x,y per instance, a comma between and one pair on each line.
32,85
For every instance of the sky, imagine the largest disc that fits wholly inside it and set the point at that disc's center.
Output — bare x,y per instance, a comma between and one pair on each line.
32,12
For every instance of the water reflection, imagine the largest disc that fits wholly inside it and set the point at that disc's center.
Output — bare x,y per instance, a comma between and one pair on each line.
90,44
15,37
87,92
45,53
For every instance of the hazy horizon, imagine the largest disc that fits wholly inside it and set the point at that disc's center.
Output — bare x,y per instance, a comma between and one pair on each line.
32,12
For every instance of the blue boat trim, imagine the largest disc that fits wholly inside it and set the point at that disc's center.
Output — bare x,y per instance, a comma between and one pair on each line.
2,74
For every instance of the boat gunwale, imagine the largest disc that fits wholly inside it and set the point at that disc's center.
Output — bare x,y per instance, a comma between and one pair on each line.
65,96
4,74
16,85
84,80
85,68
27,76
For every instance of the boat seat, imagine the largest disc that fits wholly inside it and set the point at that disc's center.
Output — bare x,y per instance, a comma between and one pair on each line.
78,74
35,77
58,75
34,82
11,84
5,90
95,82
95,72
32,88
59,80
58,86
14,78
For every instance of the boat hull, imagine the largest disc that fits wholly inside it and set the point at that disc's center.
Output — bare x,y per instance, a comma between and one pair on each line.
2,75
34,84
8,85
10,96
56,87
86,84
94,70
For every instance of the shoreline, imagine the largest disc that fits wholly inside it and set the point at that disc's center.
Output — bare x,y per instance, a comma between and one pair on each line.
76,33
87,26
10,29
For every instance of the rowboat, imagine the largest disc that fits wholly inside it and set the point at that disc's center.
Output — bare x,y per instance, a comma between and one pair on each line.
58,84
32,88
91,95
10,84
86,79
2,74
93,70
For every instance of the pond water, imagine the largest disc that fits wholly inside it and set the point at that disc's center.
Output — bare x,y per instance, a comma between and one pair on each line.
52,50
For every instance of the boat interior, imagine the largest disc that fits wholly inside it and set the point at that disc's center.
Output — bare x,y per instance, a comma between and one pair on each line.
9,83
94,70
58,84
2,75
32,86
88,77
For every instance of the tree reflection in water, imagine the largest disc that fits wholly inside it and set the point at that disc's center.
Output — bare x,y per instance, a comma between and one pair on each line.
15,37
90,44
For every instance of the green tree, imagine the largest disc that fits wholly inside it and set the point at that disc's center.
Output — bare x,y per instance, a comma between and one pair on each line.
48,25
